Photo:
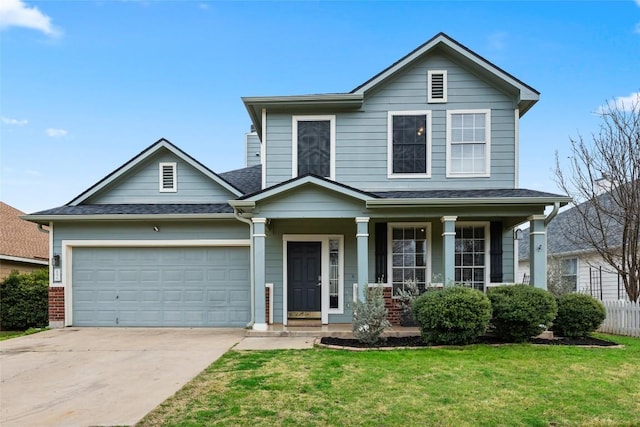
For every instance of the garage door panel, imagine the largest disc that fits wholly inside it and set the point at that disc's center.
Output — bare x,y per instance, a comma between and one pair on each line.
160,286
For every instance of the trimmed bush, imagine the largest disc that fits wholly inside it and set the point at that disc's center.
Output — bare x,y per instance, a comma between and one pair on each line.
370,316
578,315
521,311
24,301
454,315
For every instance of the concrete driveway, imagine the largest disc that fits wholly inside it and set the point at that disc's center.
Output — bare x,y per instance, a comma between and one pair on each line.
101,376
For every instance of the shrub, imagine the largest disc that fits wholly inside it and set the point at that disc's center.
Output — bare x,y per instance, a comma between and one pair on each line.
24,301
406,296
454,315
521,311
578,315
370,316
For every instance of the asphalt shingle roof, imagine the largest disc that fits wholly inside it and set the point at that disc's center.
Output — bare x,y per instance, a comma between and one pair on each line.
20,238
248,180
139,209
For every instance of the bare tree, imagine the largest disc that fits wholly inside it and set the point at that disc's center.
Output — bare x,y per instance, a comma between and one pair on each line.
603,178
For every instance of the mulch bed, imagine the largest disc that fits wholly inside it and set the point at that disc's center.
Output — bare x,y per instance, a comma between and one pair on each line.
416,341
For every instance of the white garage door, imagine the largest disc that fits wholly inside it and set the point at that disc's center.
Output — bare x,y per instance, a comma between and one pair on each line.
185,286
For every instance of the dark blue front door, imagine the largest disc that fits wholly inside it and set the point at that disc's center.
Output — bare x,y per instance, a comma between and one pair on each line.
304,276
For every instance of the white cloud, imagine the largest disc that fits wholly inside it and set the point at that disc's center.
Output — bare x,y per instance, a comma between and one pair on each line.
10,121
623,103
56,133
14,13
205,6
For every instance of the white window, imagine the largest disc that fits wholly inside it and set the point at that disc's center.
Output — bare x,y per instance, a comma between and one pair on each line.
410,250
313,146
472,255
437,86
409,144
168,178
569,273
468,143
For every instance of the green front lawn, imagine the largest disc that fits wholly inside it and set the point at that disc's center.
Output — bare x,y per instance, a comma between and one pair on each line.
480,385
5,335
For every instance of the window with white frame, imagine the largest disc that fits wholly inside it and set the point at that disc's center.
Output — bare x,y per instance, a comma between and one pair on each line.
168,180
468,143
313,146
437,86
569,273
409,249
334,274
409,144
471,255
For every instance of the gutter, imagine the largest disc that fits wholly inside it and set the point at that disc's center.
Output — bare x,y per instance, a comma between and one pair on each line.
238,215
45,219
552,214
399,202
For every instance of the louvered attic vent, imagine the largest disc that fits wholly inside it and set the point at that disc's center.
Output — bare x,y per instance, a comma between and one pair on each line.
168,179
437,86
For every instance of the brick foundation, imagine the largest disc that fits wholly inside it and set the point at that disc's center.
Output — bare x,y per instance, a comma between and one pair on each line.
393,307
56,307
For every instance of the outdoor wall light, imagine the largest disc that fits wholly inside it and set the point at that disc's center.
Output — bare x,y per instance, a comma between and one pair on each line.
517,234
55,261
155,228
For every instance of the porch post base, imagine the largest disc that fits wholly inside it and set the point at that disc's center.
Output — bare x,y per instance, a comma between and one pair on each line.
260,327
56,324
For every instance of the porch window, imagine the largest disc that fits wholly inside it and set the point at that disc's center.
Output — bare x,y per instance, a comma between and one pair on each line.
468,143
409,144
334,274
313,145
409,254
471,256
569,273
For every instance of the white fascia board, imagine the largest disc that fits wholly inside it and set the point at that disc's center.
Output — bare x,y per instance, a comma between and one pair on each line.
25,260
297,183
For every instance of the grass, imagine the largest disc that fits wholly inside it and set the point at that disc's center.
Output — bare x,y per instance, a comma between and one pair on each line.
5,335
480,385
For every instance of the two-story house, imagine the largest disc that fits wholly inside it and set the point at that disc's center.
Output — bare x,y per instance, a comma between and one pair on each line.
413,175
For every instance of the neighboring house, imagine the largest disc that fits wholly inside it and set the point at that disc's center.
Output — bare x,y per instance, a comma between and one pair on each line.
575,263
411,175
23,247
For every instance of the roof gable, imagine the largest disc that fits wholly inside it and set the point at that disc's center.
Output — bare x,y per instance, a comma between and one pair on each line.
20,239
146,154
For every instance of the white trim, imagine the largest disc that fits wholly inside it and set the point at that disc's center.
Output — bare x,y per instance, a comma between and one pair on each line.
259,220
51,255
332,142
448,233
487,247
271,295
263,148
430,99
516,137
362,219
448,218
362,235
542,233
390,115
390,227
260,327
487,145
323,239
259,235
25,260
174,173
67,258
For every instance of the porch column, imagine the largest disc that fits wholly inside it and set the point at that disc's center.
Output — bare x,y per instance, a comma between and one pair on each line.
538,251
259,236
362,238
448,249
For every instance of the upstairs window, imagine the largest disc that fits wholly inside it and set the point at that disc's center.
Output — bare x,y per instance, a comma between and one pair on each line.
437,86
468,143
409,144
569,273
168,178
313,146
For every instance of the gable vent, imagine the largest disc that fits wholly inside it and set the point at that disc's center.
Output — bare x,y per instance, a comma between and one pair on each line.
168,181
437,86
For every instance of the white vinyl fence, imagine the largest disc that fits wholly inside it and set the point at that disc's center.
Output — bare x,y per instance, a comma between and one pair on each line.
623,318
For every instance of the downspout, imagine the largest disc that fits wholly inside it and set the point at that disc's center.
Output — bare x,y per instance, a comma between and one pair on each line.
552,214
42,229
240,218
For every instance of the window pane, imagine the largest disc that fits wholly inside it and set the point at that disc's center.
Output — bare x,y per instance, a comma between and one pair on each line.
409,256
314,147
409,142
468,142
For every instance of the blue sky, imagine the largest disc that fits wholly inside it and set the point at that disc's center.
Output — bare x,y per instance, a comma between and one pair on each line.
86,85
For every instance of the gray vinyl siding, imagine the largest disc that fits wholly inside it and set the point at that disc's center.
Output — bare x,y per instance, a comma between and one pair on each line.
143,230
252,150
141,185
311,202
361,136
